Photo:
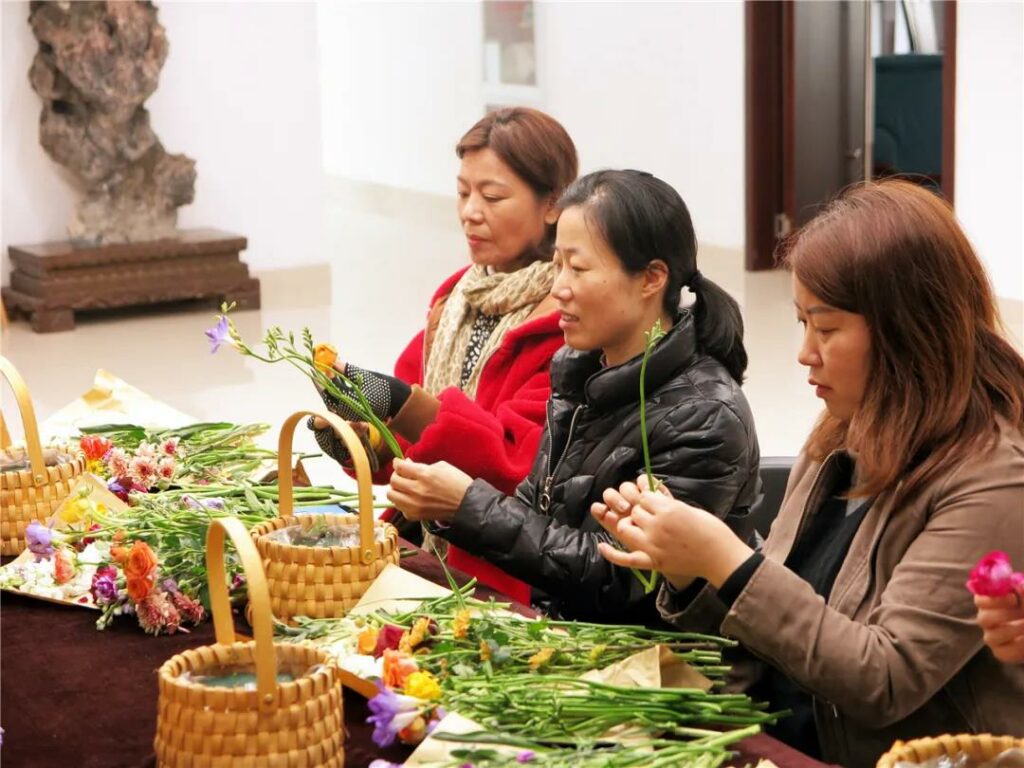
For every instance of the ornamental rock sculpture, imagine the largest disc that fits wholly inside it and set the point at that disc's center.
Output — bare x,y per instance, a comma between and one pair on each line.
97,64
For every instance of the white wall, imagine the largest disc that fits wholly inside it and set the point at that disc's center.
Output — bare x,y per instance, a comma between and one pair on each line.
401,84
659,87
989,194
647,85
239,93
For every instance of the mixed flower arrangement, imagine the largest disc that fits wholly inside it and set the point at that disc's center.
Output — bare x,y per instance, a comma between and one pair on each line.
146,556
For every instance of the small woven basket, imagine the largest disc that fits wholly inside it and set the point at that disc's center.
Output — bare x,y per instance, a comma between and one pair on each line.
323,582
978,747
297,723
35,493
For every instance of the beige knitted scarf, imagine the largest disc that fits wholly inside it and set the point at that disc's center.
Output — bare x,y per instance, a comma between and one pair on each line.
510,295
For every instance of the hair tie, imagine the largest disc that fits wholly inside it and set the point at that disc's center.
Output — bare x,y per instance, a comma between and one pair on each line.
695,278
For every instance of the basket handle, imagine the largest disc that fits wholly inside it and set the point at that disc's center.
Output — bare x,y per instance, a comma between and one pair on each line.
363,475
259,600
28,419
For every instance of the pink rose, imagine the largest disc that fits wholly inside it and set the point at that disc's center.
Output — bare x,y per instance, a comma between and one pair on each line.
993,576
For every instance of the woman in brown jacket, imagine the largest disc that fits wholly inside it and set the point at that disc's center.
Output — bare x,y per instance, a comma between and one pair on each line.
855,615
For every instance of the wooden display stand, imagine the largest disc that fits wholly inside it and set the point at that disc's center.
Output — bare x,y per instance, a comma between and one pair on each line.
53,281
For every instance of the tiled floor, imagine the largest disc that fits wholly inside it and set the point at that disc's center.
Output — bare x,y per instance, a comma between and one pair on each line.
385,253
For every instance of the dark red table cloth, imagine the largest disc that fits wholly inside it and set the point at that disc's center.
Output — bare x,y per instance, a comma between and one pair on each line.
73,696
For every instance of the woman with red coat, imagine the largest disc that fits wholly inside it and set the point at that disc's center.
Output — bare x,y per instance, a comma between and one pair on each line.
472,387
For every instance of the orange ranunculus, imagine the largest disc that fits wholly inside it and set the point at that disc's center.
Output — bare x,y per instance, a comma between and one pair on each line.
141,562
367,641
140,587
119,535
397,668
119,554
324,357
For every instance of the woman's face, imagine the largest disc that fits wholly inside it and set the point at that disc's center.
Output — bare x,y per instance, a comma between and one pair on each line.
836,349
499,212
602,306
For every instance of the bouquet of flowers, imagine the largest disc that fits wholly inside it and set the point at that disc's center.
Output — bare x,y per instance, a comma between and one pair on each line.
135,459
316,362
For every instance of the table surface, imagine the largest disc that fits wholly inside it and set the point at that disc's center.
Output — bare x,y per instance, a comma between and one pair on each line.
73,696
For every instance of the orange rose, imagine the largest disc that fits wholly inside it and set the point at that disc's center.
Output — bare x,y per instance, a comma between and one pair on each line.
141,562
140,587
324,357
397,668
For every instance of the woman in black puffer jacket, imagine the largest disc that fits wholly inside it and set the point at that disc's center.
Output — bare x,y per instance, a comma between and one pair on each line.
624,249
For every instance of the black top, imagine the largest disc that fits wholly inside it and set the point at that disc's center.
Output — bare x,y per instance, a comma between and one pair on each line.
703,447
817,556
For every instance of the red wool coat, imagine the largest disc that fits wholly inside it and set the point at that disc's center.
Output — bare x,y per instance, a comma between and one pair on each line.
495,436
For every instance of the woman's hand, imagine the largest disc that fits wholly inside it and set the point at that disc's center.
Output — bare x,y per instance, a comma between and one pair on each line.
1002,620
427,491
385,394
667,535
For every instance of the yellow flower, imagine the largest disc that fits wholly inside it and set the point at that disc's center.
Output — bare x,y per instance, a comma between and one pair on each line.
76,510
597,651
460,624
485,651
418,632
422,685
324,357
373,437
541,658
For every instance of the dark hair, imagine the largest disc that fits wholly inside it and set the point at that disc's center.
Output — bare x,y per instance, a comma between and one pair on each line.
534,145
940,368
642,219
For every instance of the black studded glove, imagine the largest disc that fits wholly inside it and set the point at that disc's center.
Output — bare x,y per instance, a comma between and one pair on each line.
385,394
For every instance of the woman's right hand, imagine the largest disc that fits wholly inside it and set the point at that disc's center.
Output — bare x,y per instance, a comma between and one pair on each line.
1002,621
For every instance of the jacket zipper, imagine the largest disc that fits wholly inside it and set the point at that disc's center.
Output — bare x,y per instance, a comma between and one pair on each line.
545,496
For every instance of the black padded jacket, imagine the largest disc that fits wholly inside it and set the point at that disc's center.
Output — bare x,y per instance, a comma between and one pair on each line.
702,443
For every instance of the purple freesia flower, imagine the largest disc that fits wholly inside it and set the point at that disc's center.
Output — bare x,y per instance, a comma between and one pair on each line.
391,713
104,585
171,586
120,489
219,334
526,756
40,539
193,503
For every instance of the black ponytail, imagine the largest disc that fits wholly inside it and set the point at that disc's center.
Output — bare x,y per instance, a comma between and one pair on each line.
642,218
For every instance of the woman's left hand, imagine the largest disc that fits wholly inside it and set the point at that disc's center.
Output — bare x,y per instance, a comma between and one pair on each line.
427,491
681,541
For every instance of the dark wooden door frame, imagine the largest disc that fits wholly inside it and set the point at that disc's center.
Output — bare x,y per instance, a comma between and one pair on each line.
768,96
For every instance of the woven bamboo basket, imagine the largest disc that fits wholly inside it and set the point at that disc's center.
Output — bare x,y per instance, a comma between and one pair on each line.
978,747
33,493
297,723
323,582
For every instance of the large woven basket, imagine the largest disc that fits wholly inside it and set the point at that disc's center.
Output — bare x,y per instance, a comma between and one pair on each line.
323,582
979,747
33,493
297,723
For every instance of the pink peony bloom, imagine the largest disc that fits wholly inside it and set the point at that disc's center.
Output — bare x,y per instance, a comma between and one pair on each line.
190,610
166,468
143,470
117,462
157,614
993,576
